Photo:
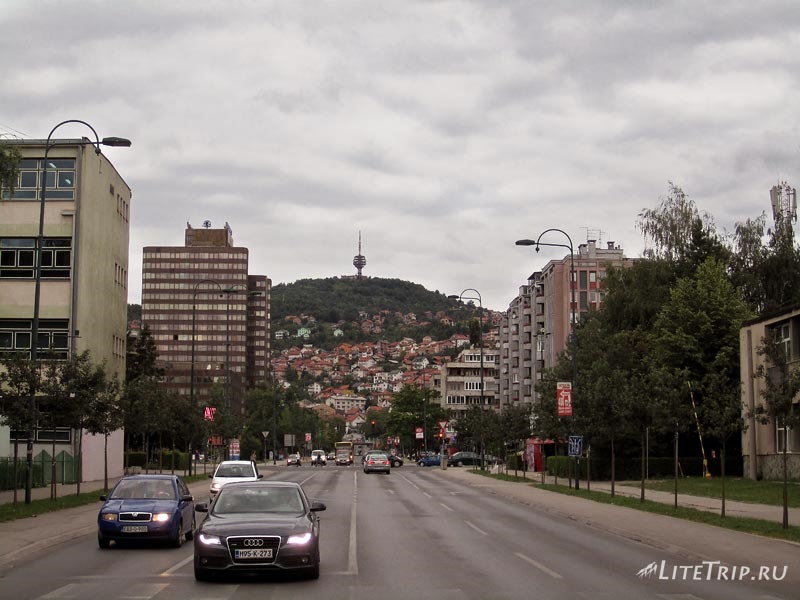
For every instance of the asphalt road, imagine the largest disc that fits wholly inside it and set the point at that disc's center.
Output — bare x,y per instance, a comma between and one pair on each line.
414,534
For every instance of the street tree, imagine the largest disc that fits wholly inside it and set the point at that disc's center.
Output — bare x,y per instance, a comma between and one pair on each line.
697,338
18,382
9,162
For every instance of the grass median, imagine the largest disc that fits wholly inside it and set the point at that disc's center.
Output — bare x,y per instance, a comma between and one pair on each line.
747,525
20,510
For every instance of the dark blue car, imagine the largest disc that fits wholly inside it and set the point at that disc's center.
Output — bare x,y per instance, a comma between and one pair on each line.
147,507
429,461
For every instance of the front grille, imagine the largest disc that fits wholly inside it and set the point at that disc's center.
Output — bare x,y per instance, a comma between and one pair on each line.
254,542
135,517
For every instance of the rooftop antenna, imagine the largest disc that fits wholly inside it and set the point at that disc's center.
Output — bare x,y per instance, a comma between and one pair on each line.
359,260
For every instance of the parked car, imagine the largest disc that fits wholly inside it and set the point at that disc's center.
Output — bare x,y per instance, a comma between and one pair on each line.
229,471
293,459
318,458
147,507
377,462
396,461
431,460
459,459
258,526
331,456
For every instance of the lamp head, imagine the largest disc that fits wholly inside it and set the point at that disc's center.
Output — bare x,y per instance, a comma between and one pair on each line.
118,142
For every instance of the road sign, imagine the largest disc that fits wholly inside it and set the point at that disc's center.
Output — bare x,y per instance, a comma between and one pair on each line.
575,445
209,413
564,397
308,437
265,434
418,433
442,424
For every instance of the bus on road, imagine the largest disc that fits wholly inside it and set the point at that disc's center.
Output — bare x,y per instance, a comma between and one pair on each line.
344,453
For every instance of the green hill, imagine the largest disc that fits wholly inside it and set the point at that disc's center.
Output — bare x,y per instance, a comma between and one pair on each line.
343,303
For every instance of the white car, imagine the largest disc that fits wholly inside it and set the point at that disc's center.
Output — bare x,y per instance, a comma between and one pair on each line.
229,471
318,458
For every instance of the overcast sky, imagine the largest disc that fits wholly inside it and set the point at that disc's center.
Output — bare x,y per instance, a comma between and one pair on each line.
443,131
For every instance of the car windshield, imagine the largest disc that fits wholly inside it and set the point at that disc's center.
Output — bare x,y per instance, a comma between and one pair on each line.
260,500
161,489
234,471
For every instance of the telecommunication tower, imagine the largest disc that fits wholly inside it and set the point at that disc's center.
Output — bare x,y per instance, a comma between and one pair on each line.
359,260
784,204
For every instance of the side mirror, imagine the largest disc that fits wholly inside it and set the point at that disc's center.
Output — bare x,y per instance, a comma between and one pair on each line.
187,498
103,497
260,475
317,506
211,477
202,507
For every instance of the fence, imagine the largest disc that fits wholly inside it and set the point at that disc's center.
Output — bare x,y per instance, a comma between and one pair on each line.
66,470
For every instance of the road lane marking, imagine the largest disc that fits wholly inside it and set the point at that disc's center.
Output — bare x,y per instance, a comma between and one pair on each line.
447,507
427,495
476,528
71,590
177,566
538,565
352,554
411,483
144,591
306,479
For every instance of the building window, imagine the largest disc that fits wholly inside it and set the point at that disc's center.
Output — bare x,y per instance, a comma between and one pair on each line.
16,335
60,179
784,340
18,258
784,434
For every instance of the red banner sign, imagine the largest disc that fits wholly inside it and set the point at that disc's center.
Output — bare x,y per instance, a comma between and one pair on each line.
564,398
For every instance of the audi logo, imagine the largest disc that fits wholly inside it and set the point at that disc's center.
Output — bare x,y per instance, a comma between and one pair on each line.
253,543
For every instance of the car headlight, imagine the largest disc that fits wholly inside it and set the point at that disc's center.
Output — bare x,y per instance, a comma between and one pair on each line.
210,540
108,517
299,539
161,517
216,486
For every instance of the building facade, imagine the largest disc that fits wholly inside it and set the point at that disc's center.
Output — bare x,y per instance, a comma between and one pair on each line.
208,316
763,443
460,381
84,276
538,321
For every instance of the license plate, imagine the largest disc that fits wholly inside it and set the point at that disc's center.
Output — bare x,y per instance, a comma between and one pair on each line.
265,553
134,529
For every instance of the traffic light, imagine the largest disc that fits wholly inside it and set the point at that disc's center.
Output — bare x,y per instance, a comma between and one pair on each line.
372,422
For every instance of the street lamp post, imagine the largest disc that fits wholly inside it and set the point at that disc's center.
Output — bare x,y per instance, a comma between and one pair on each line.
106,141
536,244
462,297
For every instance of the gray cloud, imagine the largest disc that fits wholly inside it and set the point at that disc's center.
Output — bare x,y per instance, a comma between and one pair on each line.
444,131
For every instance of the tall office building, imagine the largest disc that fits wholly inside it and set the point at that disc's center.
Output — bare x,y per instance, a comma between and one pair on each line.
537,325
84,276
207,315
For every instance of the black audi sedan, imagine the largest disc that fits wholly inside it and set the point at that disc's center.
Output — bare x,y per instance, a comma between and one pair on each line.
258,526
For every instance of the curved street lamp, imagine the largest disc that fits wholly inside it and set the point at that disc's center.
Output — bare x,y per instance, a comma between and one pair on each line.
461,297
106,141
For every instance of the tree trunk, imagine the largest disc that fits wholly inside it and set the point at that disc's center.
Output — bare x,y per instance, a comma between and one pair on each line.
641,497
613,466
105,463
79,474
722,473
53,492
15,469
785,478
675,466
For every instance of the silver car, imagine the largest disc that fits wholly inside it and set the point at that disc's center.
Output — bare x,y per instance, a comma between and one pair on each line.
377,463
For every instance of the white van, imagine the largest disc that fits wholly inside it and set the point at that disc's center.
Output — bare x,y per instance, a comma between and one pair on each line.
229,471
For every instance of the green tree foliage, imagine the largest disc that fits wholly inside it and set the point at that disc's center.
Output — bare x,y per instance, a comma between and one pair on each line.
9,161
414,407
782,387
